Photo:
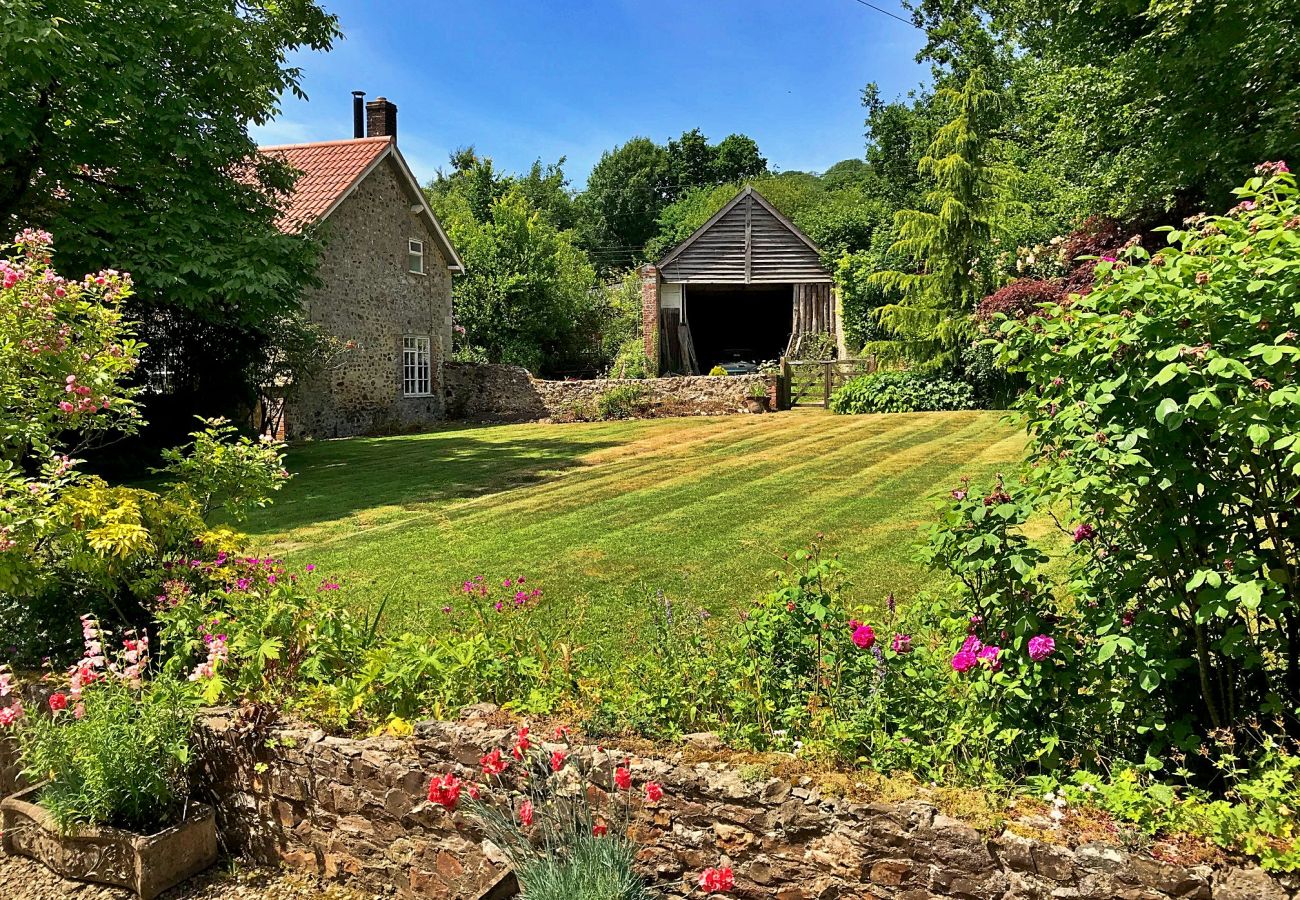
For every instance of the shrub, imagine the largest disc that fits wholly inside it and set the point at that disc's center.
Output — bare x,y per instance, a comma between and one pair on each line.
1163,419
894,392
1018,300
116,752
221,469
623,401
630,360
717,371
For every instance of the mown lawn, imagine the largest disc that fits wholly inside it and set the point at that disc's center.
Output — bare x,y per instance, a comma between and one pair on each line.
603,515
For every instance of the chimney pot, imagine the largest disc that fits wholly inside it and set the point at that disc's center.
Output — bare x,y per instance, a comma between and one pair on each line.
381,118
358,114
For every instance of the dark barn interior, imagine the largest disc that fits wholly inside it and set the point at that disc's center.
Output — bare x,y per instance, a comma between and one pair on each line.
733,322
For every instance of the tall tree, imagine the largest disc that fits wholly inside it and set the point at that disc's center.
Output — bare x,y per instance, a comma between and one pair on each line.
928,319
124,131
625,193
737,158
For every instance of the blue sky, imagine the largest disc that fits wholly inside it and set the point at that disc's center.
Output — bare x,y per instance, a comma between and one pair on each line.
529,79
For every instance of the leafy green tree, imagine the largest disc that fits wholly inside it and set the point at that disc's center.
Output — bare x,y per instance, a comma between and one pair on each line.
529,296
737,158
929,319
1161,107
625,193
123,124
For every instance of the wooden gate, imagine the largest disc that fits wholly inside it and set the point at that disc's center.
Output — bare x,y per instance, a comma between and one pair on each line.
812,382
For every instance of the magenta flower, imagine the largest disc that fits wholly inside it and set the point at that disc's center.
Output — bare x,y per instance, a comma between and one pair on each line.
971,645
901,643
864,637
1084,533
989,655
964,661
1040,647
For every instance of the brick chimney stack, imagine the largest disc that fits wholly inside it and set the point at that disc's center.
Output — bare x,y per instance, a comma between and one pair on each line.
381,118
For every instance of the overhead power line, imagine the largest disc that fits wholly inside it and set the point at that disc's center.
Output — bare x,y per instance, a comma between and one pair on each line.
885,12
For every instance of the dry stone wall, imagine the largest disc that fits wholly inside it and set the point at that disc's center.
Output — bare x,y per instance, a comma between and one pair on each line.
356,810
511,394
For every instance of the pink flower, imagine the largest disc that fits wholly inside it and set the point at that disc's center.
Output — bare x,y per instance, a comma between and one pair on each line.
717,881
493,763
526,814
864,637
58,702
557,760
11,714
971,645
445,791
964,661
654,792
1040,647
623,778
1084,533
901,643
990,655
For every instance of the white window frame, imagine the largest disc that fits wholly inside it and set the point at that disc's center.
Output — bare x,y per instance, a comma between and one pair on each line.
417,365
415,256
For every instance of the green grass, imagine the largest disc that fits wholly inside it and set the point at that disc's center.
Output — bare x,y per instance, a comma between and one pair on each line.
602,515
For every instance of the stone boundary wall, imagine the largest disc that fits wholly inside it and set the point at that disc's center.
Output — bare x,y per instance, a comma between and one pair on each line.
356,810
511,394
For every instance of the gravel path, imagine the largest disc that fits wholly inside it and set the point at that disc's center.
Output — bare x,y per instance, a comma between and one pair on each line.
22,879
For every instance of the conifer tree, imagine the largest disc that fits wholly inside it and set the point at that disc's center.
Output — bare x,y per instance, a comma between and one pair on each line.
929,317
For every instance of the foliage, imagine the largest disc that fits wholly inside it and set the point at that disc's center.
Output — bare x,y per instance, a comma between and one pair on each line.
994,386
717,371
895,392
928,320
66,353
630,361
124,144
529,297
1162,418
221,469
1018,300
623,401
71,541
1159,107
115,751
301,352
620,334
632,184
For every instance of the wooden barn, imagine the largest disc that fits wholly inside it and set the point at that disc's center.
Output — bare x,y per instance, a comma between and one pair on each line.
746,287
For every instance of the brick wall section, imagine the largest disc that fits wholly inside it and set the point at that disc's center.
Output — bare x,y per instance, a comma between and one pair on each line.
368,295
650,315
511,394
356,810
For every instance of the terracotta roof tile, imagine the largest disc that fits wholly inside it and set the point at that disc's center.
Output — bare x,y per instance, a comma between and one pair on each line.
328,169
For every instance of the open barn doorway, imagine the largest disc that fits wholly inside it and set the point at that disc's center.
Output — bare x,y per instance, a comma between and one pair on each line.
733,325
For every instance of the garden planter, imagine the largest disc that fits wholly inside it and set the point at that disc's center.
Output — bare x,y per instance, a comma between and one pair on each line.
146,864
757,404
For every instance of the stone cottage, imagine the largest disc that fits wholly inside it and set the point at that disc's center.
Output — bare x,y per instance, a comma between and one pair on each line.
385,283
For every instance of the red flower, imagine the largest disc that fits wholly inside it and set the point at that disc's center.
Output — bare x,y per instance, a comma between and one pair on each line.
623,778
522,743
557,760
445,791
493,764
526,814
600,829
654,792
58,702
716,881
472,790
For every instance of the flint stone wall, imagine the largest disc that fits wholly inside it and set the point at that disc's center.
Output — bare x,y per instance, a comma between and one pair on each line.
356,810
510,394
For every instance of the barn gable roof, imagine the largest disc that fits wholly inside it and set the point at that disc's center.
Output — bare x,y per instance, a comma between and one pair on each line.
331,171
748,241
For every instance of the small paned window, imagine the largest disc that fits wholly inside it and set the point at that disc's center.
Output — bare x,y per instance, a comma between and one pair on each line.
415,365
415,256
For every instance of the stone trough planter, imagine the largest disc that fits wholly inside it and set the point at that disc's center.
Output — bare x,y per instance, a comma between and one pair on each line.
147,864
